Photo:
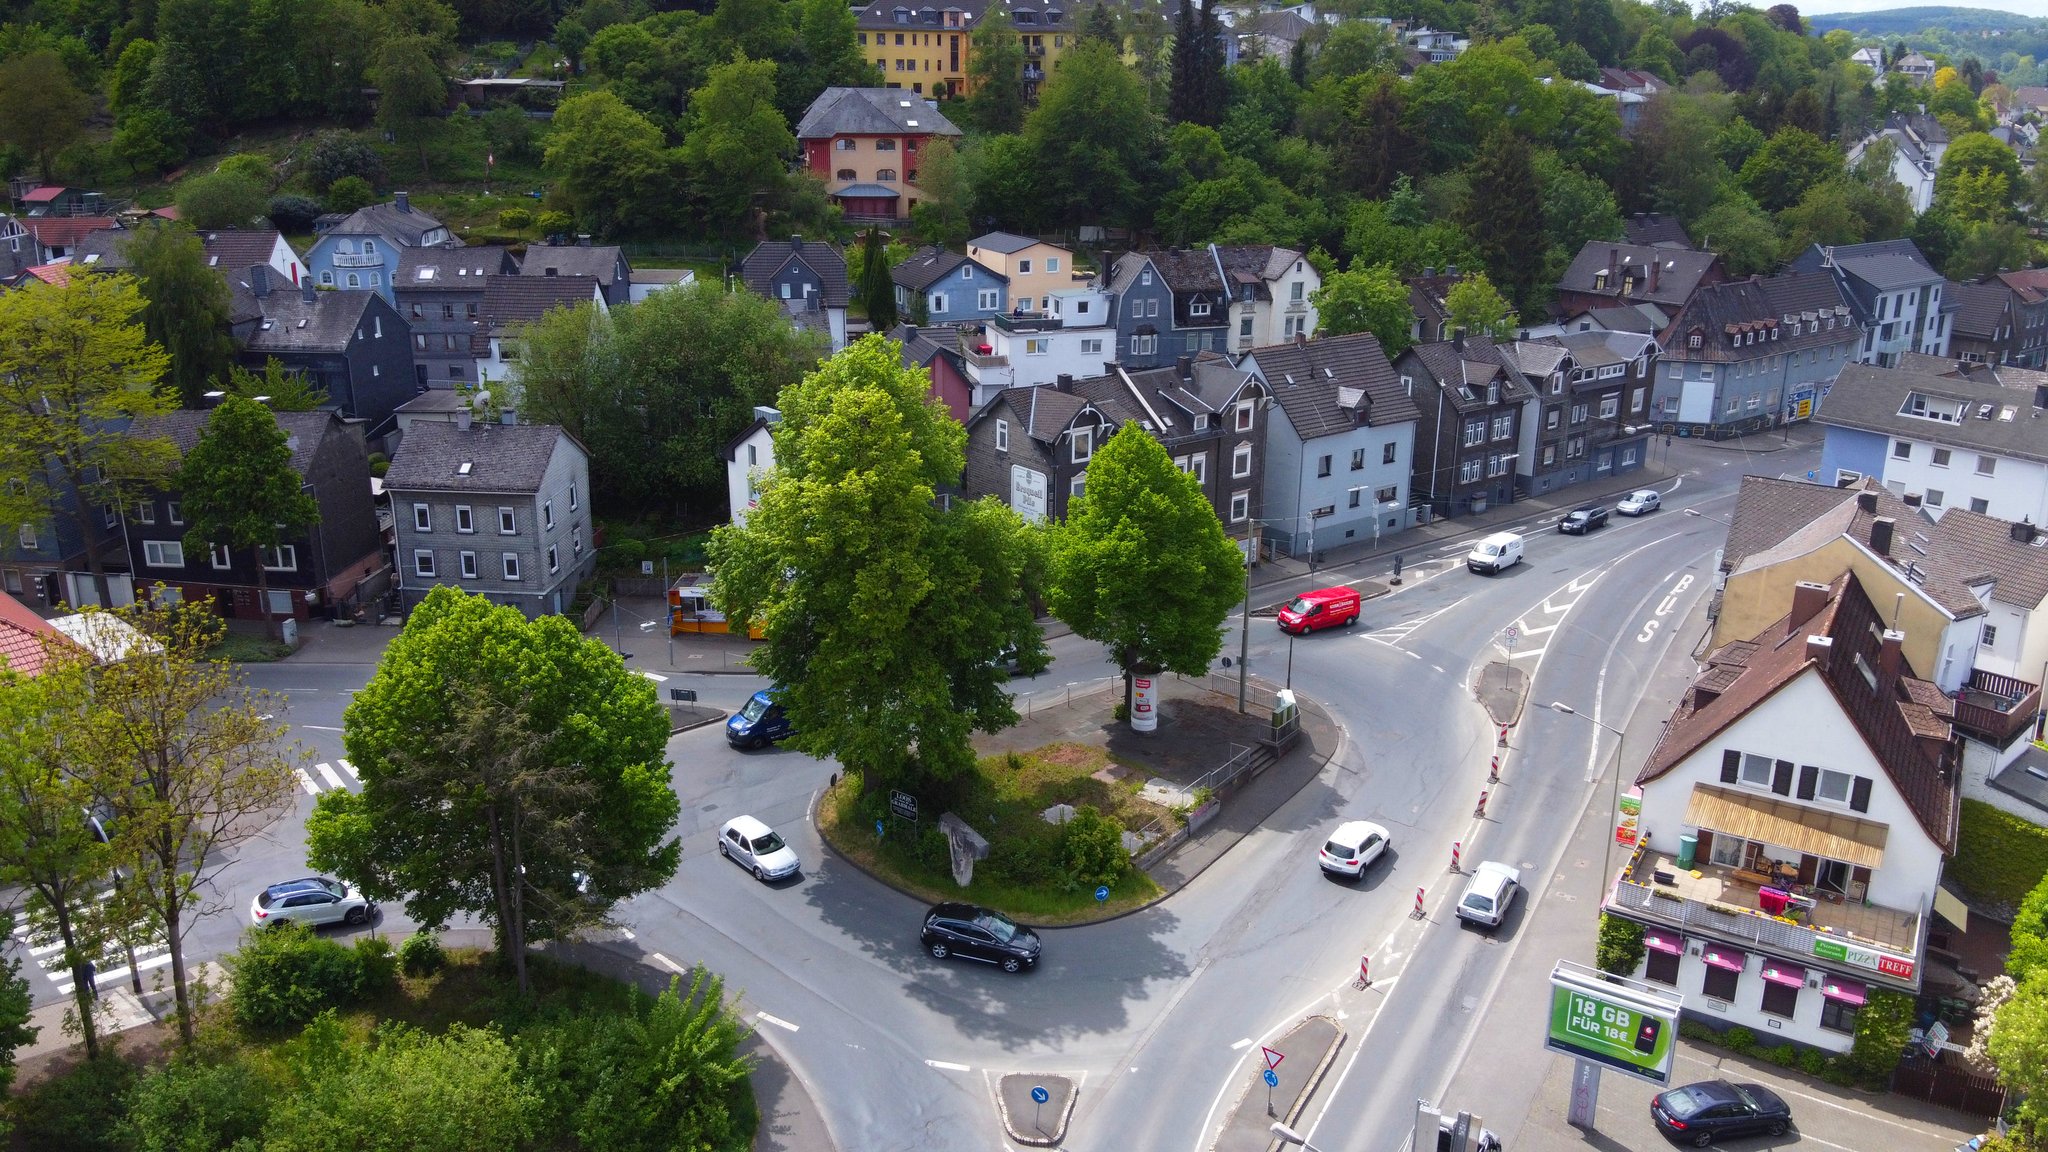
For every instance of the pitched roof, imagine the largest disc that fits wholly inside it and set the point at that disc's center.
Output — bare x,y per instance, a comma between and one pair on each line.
1994,417
1647,319
1982,306
105,249
405,226
25,638
1885,271
920,346
1678,272
1654,229
769,256
1896,718
1250,269
524,299
1464,369
291,323
1187,269
871,112
239,247
184,426
487,457
1767,510
55,275
1744,319
2031,285
445,266
65,231
598,260
1004,242
926,267
1311,379
46,194
1043,411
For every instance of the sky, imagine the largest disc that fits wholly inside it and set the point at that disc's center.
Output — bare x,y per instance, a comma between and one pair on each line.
1821,7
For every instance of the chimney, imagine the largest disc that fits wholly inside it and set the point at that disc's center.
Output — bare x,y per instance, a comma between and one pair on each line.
307,292
508,415
1429,271
1819,648
583,239
1458,339
1881,535
1614,265
463,418
1867,501
212,400
1064,382
909,333
1889,657
1808,598
2023,532
1656,263
259,280
796,241
1912,499
1301,339
404,201
1451,270
1184,367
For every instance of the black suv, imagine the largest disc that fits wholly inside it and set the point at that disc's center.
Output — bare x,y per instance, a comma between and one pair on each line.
979,934
1582,520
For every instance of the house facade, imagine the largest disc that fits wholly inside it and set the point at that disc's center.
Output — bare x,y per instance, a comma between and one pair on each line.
230,250
2002,319
440,292
1073,336
921,47
1918,143
1168,303
1605,274
351,344
1894,292
497,509
955,288
1031,269
361,251
1953,442
1602,412
748,457
604,263
1471,401
864,144
1752,353
512,302
938,353
807,278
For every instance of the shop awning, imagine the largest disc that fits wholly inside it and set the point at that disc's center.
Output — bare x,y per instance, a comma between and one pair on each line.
1782,972
1847,991
1722,956
1658,941
1834,835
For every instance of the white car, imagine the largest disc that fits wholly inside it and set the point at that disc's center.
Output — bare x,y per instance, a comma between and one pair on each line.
754,846
310,900
1355,844
1490,894
1639,501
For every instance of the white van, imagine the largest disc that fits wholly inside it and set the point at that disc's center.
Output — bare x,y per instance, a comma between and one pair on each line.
1498,551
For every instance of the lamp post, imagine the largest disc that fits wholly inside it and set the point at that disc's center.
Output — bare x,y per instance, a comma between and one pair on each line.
1286,1135
1244,620
1614,795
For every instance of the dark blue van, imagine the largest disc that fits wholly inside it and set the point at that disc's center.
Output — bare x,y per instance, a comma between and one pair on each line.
759,723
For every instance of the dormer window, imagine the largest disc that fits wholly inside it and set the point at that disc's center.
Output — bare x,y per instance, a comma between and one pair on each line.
902,15
1693,341
1599,281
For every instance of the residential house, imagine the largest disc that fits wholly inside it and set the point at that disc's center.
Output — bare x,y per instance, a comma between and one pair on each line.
1628,106
1608,275
1429,302
433,406
27,641
605,263
1433,46
1074,336
808,278
646,282
232,250
496,509
440,292
1340,443
1956,443
51,239
362,249
1749,354
749,456
938,353
1471,401
55,275
1655,230
1918,143
46,562
1271,293
1045,30
351,344
1589,417
57,200
864,144
1895,293
1637,82
923,47
1269,35
512,302
1795,816
954,287
1031,269
1871,58
1915,67
2001,319
317,571
1641,319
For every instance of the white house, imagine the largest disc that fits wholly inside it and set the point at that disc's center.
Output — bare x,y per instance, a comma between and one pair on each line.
1074,336
748,457
1794,820
1918,144
1956,443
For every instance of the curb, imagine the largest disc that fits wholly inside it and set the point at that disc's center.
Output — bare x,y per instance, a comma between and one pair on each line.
718,719
1315,1079
1059,1123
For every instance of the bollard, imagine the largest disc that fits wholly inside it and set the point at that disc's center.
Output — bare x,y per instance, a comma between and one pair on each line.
1365,971
1454,856
1503,735
1493,773
1418,904
1480,811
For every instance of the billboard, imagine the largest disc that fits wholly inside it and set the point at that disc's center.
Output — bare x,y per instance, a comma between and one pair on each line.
1612,1021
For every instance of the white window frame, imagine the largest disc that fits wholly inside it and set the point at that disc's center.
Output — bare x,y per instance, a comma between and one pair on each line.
465,519
510,565
222,558
29,542
547,514
1246,415
283,558
987,300
1198,308
576,540
467,561
1241,462
176,510
1002,435
1240,507
508,521
1846,785
572,497
423,563
1083,445
163,553
145,511
422,518
554,560
1052,265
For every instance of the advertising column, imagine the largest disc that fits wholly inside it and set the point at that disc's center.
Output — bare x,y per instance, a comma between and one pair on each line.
1144,704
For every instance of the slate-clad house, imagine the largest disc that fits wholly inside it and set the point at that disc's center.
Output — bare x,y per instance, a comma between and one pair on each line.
1168,303
939,355
1894,293
45,565
2002,319
1752,353
955,287
1603,409
808,278
316,573
1605,274
497,509
1471,401
440,292
510,302
362,249
606,263
1340,439
352,345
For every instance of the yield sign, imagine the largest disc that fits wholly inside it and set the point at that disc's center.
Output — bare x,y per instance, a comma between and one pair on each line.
1273,1058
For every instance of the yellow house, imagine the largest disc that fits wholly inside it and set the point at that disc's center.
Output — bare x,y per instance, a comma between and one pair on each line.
1033,268
918,44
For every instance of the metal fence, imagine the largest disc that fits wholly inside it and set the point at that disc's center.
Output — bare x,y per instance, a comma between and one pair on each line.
1028,705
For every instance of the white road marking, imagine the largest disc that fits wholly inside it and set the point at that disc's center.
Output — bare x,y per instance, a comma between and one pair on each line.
350,769
627,933
651,676
333,777
318,728
667,963
779,1022
100,978
948,1066
306,782
1241,1044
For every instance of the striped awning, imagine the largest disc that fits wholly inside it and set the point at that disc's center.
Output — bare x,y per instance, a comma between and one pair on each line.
1801,827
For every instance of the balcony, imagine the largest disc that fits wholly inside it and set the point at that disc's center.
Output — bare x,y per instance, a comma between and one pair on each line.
1033,73
1996,709
977,353
1877,941
1035,50
1026,322
357,260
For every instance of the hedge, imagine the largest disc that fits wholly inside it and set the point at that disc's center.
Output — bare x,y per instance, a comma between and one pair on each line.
2030,935
1999,856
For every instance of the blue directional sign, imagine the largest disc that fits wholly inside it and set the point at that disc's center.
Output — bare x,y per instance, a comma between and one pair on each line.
878,829
1272,1078
1039,1095
1102,893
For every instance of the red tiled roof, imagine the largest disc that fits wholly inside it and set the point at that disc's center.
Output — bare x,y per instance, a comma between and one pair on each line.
56,275
25,638
64,231
43,195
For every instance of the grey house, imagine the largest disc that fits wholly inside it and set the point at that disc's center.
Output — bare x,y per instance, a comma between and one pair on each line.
606,263
1601,412
1895,293
1169,303
1745,355
1339,442
1470,398
807,278
440,292
353,345
498,509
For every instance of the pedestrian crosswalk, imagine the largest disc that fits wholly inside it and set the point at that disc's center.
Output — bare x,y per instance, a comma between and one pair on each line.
328,780
38,937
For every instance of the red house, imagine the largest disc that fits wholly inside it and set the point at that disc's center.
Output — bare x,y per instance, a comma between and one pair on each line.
950,384
865,143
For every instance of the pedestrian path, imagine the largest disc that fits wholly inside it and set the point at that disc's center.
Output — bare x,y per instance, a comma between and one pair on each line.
37,936
327,779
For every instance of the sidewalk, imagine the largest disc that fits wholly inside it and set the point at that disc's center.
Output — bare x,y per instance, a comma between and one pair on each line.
649,650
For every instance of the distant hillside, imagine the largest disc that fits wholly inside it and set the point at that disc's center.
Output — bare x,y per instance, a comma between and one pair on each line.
1906,21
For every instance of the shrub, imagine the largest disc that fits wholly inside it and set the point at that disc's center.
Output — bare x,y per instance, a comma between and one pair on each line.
934,851
1092,849
350,193
515,219
284,976
1999,856
220,200
294,213
1694,1030
1813,1062
191,1104
378,965
83,1110
1024,861
1784,1056
1881,1032
2030,935
421,954
1739,1040
334,156
252,166
554,222
1621,945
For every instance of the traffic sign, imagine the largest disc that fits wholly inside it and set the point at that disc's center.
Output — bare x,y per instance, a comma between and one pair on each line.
1272,1078
1102,893
878,830
1273,1058
1039,1095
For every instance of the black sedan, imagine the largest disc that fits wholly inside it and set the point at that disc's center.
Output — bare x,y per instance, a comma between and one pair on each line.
979,934
1701,1113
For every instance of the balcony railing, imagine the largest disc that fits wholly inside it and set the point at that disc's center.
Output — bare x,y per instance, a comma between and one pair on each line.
1028,322
1994,708
358,260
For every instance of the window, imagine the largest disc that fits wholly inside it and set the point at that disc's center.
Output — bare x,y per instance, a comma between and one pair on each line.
1244,325
354,281
1084,444
419,340
554,563
283,558
1240,506
163,553
1550,418
1323,466
1756,771
1662,967
423,562
1475,433
422,518
28,537
1902,450
572,497
507,522
885,175
1198,308
1578,413
1549,455
1837,1015
222,561
1078,486
844,144
547,512
1196,465
1609,405
1038,346
1719,983
576,540
1023,267
1052,265
1468,472
1244,415
1358,459
1241,461
327,278
1935,496
464,521
987,300
1094,348
1637,399
1002,435
937,302
1990,639
1151,307
1355,495
1503,426
177,513
468,565
1941,457
1987,465
1144,345
885,145
511,560
1833,786
1980,506
1145,278
1780,999
145,512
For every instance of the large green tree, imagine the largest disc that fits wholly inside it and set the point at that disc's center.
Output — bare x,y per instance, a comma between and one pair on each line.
410,90
995,79
883,610
2019,1046
1504,217
186,308
611,165
944,213
220,200
1778,174
1094,138
739,143
241,491
1477,308
1142,565
41,109
1365,299
504,761
877,286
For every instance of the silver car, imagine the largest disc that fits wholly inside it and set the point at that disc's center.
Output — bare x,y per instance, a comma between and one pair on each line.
754,846
310,900
1638,502
1490,894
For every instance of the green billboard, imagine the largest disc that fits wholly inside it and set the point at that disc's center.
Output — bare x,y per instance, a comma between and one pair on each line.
1614,1022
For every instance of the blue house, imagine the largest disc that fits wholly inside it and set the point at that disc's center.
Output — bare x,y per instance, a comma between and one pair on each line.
361,250
956,289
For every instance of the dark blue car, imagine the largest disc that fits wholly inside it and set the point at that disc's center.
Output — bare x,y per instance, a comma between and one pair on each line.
1702,1113
759,723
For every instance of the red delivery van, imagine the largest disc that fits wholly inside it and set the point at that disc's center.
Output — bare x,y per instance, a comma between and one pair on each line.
1322,608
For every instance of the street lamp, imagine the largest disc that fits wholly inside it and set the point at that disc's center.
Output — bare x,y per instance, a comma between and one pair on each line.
1244,625
1286,1135
1614,799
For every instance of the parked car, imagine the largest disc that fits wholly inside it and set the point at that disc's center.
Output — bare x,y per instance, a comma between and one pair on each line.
979,934
754,846
1322,608
1582,520
1489,894
1639,501
310,900
758,723
1704,1112
1496,553
1354,845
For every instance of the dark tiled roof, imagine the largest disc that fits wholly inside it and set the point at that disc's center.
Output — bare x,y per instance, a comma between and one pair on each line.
239,247
1464,372
1887,271
291,323
769,256
501,458
925,15
106,249
1759,307
1654,229
926,267
1004,242
403,226
1981,307
1044,411
449,267
2031,286
1307,378
920,346
1869,398
1679,271
524,299
1768,510
183,427
871,112
1187,269
596,260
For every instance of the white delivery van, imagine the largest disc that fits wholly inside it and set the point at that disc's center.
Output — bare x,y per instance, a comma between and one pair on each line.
1498,551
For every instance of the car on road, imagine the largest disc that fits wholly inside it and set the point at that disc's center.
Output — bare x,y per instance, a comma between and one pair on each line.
1496,553
758,723
1639,501
755,846
311,900
1322,608
1489,894
1582,520
1699,1114
979,934
1352,847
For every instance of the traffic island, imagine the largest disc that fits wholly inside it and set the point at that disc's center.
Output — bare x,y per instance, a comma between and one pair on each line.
1035,1107
1281,1078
